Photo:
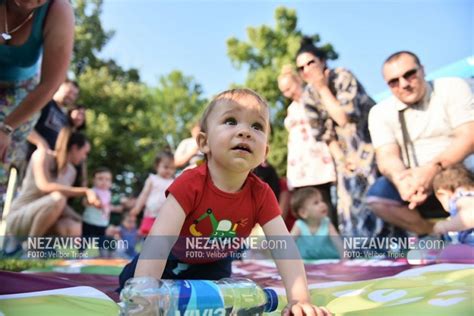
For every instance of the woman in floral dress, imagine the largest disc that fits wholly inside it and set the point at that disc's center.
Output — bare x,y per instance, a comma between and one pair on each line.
338,108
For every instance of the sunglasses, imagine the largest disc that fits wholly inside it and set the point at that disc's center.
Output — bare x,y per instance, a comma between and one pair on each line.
408,76
310,62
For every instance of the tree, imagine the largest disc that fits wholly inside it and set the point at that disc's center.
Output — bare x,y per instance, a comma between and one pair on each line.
111,120
265,52
178,103
90,39
128,122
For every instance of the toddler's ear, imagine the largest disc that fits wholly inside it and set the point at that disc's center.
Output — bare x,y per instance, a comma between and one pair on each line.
302,213
202,143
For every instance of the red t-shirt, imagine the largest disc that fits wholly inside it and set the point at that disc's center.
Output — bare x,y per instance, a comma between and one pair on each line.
213,213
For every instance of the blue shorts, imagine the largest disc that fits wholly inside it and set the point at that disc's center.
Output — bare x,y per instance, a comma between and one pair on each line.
176,270
384,191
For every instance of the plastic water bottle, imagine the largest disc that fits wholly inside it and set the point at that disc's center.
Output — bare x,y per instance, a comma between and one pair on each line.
230,296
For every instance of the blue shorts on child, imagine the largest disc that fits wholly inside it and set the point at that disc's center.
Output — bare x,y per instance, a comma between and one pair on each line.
177,270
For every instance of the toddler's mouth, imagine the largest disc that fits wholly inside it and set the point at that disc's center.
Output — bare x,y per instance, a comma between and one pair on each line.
243,147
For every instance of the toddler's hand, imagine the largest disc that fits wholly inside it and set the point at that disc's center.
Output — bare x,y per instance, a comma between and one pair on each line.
305,308
92,198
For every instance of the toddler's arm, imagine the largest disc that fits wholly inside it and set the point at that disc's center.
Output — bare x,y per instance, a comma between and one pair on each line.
463,220
336,240
142,198
161,239
291,268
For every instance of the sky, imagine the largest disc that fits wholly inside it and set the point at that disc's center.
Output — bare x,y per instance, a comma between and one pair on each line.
157,36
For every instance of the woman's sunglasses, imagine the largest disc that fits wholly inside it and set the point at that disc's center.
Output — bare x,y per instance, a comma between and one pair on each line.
408,76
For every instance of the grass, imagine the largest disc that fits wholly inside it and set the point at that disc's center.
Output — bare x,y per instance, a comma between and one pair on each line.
17,265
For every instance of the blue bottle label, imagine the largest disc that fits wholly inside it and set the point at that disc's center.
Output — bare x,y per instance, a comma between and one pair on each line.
199,298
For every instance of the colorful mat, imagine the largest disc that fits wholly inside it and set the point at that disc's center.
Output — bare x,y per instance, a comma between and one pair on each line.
89,266
73,301
359,287
351,288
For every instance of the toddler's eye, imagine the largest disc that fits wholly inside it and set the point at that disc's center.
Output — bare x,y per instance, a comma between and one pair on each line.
230,121
257,126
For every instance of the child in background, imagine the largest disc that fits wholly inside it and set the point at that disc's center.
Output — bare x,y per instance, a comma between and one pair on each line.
223,191
153,193
127,231
454,188
316,237
95,220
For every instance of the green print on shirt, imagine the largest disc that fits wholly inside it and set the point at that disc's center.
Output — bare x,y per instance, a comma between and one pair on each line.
222,228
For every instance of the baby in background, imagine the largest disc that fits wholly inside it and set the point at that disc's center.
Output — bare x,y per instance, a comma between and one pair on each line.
95,220
126,232
454,188
316,237
152,195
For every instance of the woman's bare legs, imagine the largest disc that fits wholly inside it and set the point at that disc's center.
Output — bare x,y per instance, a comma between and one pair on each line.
49,217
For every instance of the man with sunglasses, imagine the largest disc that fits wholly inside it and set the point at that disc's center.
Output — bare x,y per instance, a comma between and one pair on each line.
423,128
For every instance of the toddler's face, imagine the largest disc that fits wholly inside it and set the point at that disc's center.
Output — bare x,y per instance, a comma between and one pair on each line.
237,134
315,207
103,180
129,222
290,88
166,168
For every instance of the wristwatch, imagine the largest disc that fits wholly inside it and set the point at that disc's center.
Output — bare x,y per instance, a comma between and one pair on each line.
5,128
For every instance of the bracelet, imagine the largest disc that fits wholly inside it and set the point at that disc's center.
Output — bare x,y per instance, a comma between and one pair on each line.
5,128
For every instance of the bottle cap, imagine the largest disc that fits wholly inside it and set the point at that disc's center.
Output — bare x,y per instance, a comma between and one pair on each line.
272,300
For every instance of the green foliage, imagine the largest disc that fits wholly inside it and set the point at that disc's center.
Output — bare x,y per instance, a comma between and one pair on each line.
90,39
17,265
177,103
264,53
128,122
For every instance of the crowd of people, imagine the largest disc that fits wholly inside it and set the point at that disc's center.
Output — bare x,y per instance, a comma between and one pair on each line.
354,167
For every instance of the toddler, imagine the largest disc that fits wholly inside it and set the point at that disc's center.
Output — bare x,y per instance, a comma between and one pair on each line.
316,237
222,198
127,231
95,220
153,192
454,188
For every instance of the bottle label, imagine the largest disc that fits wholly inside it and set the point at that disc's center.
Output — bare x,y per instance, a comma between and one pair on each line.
199,298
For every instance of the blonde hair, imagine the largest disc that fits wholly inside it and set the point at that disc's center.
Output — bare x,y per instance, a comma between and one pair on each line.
227,95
